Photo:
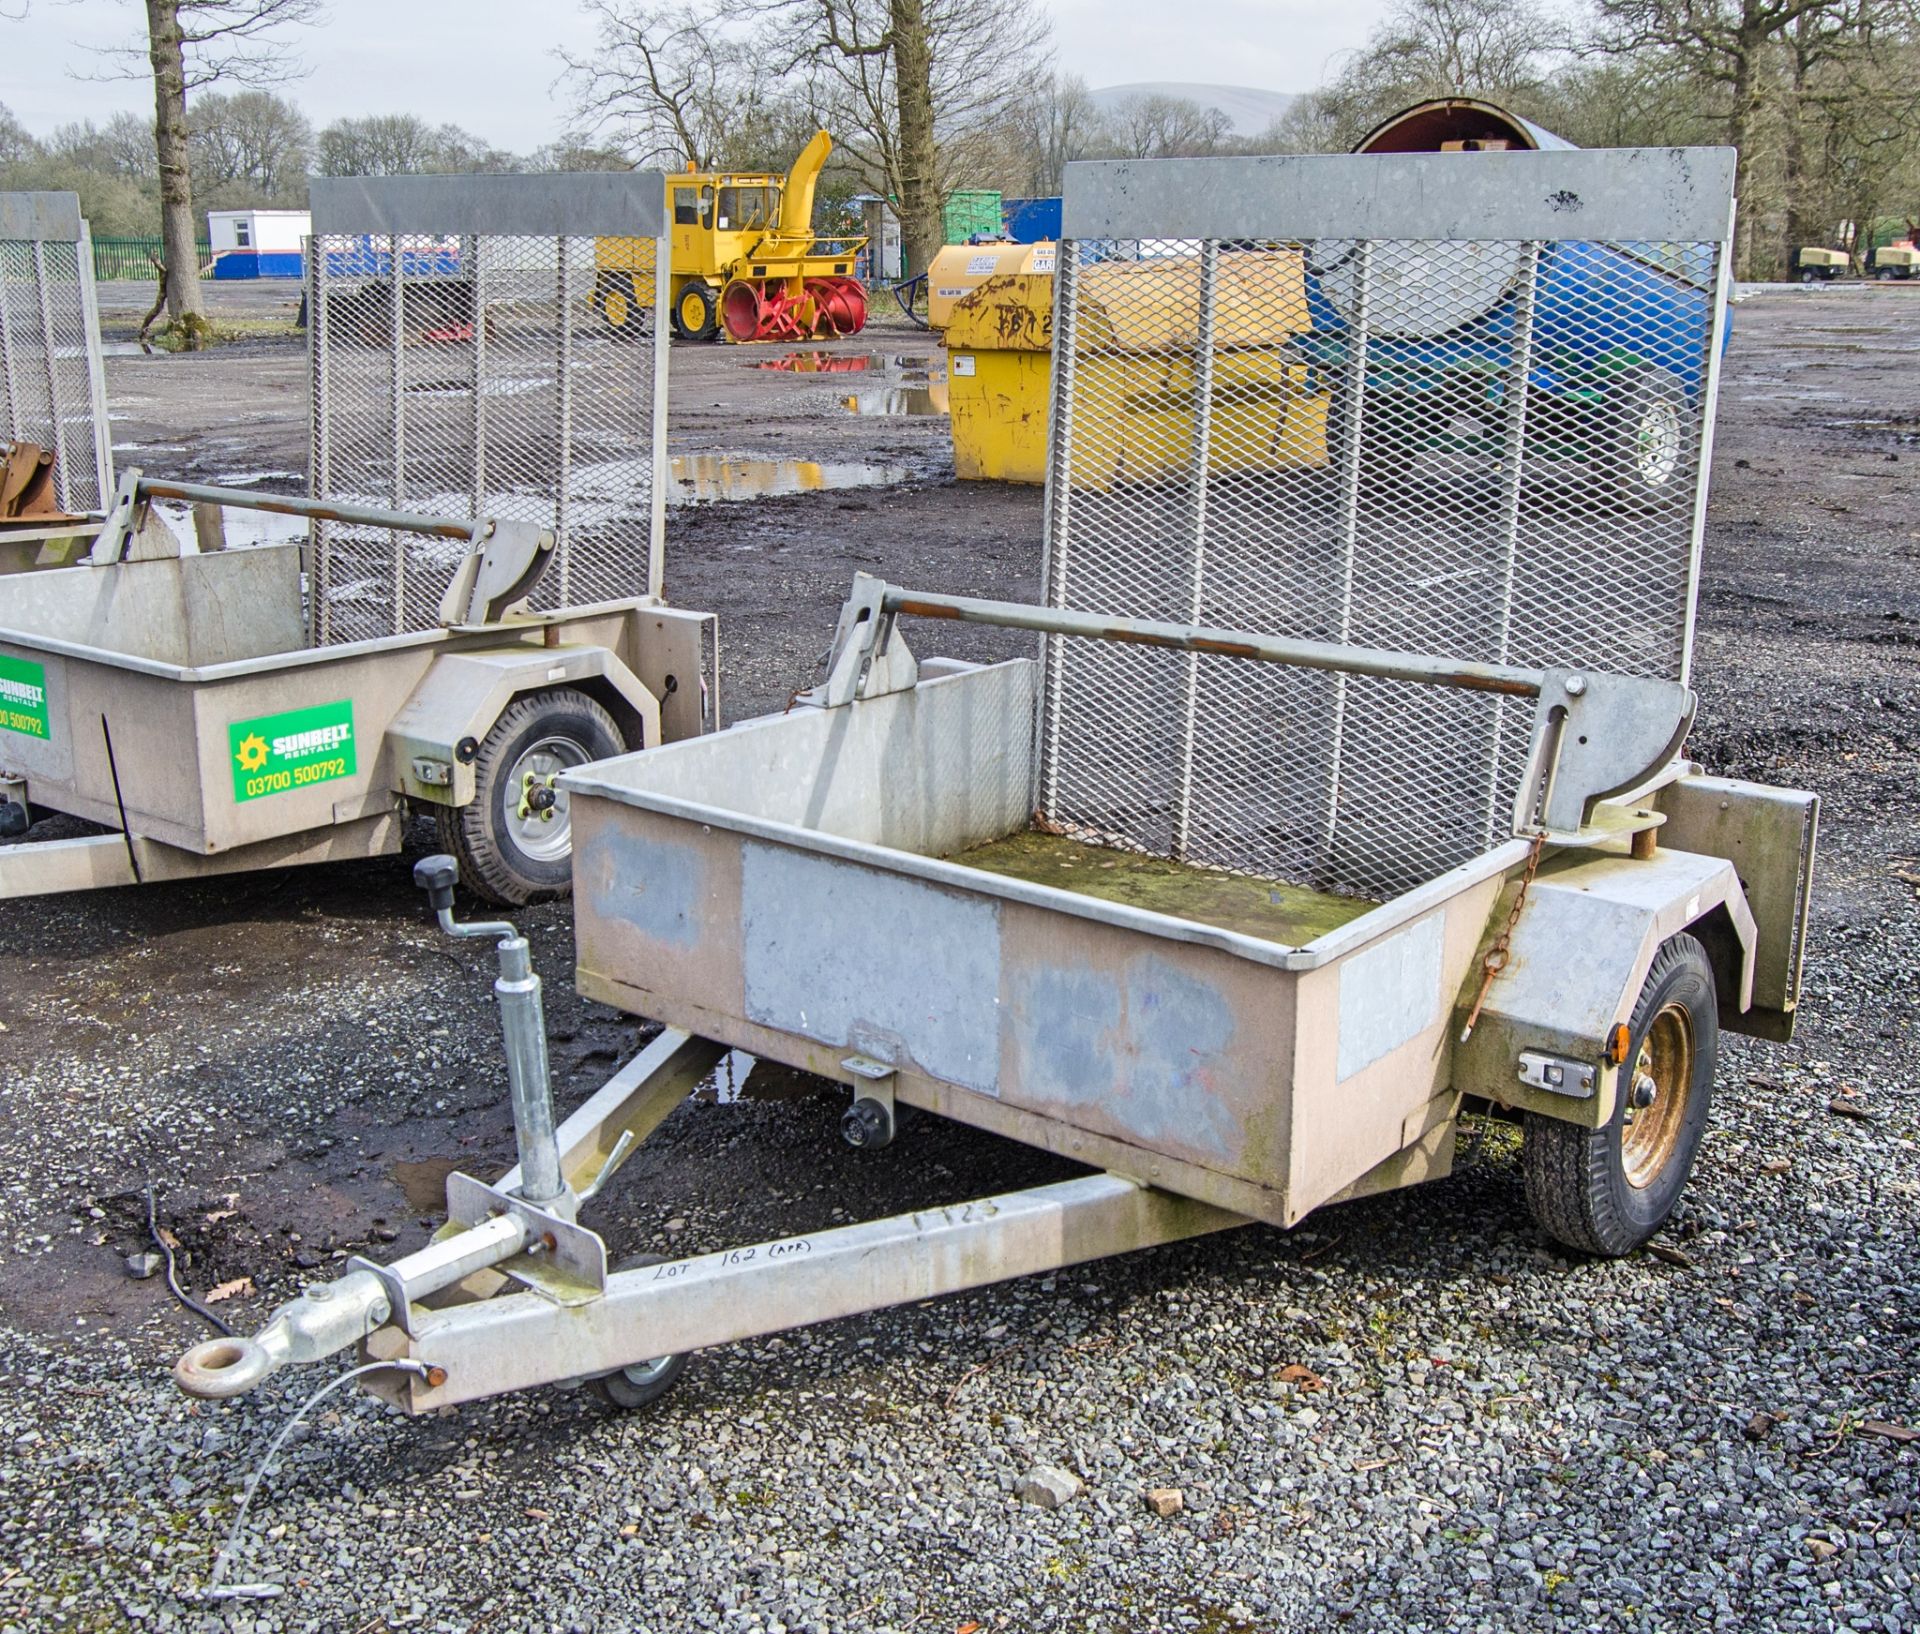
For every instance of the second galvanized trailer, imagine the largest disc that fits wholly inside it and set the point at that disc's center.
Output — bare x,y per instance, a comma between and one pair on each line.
173,696
1324,813
476,601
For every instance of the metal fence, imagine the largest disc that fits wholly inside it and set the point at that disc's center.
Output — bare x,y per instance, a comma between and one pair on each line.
135,258
459,367
1454,404
50,369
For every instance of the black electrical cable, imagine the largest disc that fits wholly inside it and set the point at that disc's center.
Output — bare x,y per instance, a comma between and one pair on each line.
133,859
905,294
173,1280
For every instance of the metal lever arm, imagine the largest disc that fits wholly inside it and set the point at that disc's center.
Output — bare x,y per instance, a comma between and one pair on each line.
1595,734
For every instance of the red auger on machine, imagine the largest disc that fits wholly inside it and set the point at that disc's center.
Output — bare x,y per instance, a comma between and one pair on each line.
760,309
746,263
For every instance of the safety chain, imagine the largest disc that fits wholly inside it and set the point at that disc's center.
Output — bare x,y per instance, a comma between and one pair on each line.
1498,955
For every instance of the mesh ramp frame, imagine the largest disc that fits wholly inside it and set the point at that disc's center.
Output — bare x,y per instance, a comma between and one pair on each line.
52,379
1454,404
460,365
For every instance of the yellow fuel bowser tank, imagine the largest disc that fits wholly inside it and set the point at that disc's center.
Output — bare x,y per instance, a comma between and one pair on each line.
959,269
1134,372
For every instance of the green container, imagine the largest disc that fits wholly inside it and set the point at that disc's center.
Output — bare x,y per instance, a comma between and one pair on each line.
970,212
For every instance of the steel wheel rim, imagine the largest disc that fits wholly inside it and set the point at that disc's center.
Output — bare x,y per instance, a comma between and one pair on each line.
1649,1135
1658,444
543,839
644,1374
693,310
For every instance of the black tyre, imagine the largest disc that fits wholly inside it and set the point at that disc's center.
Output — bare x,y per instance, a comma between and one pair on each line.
616,300
515,838
1886,275
1808,275
696,315
1644,440
645,1382
1607,1190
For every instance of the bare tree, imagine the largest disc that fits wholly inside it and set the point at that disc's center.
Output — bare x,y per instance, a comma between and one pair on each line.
1431,47
919,91
191,44
1503,49
1053,123
574,155
16,141
126,142
658,84
1852,129
674,86
402,144
250,146
1165,127
1612,102
1730,49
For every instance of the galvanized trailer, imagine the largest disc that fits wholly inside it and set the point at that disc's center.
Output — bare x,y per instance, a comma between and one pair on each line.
172,695
1316,820
468,615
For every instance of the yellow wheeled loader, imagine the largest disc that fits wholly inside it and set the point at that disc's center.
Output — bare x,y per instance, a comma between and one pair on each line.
745,261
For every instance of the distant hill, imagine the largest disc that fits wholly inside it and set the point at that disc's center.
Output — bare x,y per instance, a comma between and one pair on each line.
1251,110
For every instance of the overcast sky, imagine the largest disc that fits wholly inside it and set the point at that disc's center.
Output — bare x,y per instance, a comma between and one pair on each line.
489,65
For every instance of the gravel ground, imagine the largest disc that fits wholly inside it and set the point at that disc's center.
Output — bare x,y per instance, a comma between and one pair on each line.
1411,1413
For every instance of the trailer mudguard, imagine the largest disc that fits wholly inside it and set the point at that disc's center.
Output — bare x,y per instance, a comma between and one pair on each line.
1768,835
1579,956
438,730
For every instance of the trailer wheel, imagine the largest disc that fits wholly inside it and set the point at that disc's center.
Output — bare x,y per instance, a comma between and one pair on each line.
1642,450
1607,1190
645,1382
514,839
694,313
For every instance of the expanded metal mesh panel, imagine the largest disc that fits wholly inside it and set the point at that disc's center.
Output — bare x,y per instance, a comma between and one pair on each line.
50,369
1485,450
479,375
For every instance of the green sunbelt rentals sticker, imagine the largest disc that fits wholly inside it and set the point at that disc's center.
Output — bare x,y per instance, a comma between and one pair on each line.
276,753
23,697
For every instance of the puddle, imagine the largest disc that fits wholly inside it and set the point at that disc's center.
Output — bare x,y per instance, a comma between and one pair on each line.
899,400
243,528
844,362
742,1077
425,1183
109,348
704,479
1288,915
911,383
246,479
1903,429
